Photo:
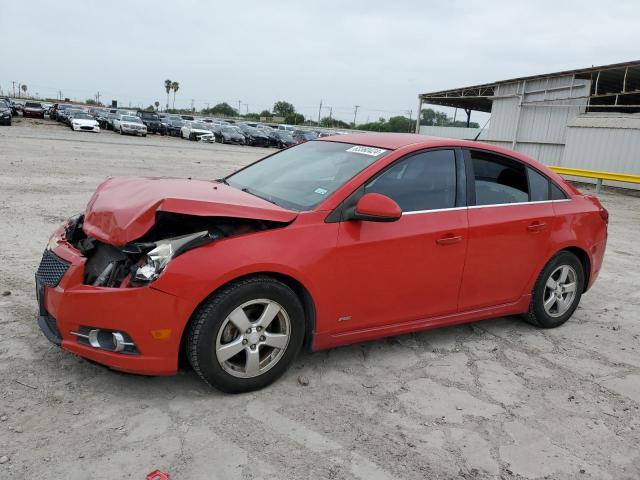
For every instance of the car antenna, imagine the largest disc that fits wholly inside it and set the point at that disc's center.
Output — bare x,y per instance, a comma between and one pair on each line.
485,124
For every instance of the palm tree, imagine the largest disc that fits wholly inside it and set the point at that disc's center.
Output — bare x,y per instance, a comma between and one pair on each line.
174,86
24,89
167,87
157,104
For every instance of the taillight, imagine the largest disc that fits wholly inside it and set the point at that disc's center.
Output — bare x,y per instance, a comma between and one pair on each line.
604,213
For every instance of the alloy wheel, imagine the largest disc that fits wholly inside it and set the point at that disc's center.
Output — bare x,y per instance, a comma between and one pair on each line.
560,291
253,338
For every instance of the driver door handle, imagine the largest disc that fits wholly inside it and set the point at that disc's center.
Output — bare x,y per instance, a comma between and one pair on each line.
449,239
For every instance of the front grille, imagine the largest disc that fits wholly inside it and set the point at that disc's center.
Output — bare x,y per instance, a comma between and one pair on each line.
51,270
86,128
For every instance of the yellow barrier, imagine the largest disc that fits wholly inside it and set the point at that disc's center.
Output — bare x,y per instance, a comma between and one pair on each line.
598,175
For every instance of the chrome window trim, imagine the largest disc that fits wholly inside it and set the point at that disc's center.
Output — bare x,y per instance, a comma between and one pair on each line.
518,203
416,212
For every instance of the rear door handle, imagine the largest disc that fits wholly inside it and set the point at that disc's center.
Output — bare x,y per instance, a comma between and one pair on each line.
449,239
536,226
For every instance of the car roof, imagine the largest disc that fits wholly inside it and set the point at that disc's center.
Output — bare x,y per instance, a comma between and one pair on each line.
394,141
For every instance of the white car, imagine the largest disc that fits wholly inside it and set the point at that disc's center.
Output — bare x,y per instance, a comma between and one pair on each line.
82,122
129,124
208,138
194,130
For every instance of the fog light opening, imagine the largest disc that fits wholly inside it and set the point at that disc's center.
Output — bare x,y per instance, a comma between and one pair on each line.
113,341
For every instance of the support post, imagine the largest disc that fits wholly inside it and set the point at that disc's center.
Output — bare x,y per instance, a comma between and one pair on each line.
598,185
419,114
515,134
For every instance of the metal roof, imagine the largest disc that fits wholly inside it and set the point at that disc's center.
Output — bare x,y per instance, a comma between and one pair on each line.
609,81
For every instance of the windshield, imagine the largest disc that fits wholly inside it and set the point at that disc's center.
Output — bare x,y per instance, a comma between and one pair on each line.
32,105
130,118
229,129
302,177
200,126
82,116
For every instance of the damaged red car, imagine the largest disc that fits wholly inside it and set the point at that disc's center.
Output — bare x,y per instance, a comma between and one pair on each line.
336,241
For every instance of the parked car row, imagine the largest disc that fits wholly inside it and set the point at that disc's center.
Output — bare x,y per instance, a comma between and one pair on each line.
5,112
188,127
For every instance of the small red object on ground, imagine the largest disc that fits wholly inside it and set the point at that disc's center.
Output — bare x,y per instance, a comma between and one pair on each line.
158,475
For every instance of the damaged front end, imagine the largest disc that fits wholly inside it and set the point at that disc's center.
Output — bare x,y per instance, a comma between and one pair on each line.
142,261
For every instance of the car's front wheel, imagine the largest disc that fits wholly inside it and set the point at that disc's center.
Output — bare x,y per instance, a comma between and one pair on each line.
557,291
246,335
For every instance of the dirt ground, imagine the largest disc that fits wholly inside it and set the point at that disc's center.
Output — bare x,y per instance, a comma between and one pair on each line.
495,399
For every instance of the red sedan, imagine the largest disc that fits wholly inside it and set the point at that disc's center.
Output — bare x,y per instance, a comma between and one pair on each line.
335,241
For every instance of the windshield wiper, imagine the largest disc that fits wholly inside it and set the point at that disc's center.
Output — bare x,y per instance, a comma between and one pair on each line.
222,180
251,192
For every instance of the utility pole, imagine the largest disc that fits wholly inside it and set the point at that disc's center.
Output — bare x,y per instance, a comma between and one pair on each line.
239,106
410,112
207,104
319,112
98,98
355,113
14,88
60,94
192,109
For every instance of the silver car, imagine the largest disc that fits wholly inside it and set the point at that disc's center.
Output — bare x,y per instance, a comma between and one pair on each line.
129,124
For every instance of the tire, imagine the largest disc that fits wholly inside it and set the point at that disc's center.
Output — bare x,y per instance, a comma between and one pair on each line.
192,137
144,134
211,329
564,270
121,132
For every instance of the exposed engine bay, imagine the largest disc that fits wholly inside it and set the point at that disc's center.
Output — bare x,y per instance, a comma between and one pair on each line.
142,261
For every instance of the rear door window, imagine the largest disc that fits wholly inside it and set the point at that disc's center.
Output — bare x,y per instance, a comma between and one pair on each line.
498,180
539,186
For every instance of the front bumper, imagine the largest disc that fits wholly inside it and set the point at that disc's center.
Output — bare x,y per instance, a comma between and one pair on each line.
33,114
85,128
140,312
156,128
133,131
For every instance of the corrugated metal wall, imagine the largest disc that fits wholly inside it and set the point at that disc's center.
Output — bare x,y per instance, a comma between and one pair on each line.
595,143
461,133
532,117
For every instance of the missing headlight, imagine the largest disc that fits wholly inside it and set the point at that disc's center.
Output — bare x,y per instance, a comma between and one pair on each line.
157,258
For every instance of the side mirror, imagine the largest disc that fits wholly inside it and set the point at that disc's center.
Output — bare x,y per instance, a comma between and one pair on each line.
375,207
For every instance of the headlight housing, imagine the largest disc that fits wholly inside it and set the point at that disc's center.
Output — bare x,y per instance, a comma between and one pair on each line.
156,259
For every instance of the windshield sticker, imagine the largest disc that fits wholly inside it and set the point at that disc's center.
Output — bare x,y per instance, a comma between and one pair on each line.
321,191
374,152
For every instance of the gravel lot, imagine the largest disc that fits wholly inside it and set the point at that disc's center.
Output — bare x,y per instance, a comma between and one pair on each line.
495,399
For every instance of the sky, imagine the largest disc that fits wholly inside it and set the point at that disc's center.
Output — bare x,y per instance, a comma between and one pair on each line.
376,54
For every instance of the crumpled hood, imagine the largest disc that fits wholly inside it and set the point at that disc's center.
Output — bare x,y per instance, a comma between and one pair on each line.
123,209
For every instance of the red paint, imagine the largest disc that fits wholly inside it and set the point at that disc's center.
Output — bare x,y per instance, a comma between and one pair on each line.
123,209
421,271
376,205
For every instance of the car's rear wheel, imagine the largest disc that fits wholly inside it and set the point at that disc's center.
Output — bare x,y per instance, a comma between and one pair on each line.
246,335
557,291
